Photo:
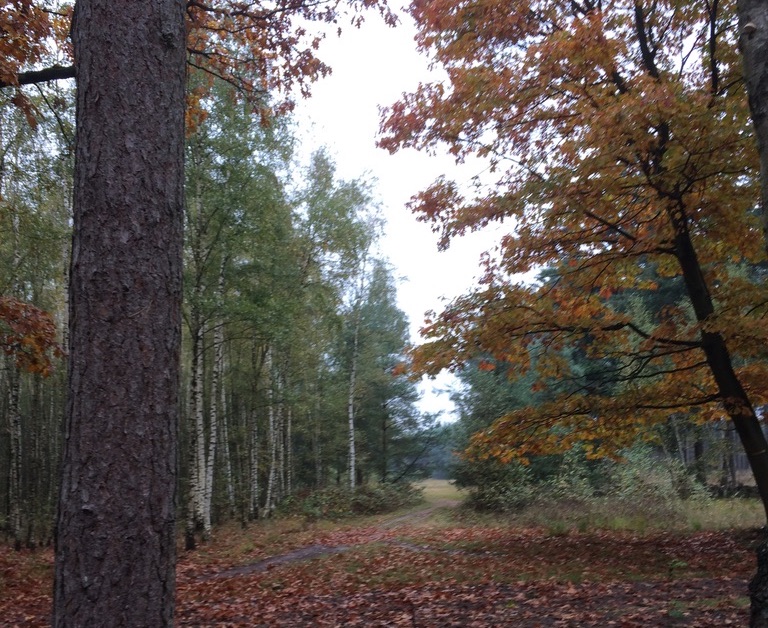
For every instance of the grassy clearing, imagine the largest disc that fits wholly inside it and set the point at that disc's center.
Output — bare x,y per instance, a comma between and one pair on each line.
436,491
646,516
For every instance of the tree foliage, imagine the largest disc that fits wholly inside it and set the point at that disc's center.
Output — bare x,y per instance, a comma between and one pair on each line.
617,138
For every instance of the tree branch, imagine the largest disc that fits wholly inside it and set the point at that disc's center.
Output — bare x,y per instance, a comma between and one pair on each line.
54,73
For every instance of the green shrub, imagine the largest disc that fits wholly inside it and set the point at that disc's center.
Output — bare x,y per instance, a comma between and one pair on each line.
642,479
494,486
339,503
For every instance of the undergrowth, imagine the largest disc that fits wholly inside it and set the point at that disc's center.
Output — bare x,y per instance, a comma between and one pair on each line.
340,503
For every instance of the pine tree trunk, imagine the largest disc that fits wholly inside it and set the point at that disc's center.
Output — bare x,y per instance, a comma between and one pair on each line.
115,542
384,445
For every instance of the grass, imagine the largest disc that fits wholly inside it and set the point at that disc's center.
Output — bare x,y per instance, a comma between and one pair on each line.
641,517
436,491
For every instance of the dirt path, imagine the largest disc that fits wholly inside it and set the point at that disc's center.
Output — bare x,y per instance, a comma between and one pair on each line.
434,504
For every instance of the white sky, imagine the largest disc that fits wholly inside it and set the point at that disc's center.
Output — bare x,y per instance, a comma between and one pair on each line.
372,67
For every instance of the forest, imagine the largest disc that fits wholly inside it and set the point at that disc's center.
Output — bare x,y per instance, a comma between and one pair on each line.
209,392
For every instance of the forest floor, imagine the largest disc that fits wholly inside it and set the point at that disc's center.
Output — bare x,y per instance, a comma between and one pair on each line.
433,566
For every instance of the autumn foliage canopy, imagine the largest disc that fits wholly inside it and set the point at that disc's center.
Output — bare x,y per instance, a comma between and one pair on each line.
618,142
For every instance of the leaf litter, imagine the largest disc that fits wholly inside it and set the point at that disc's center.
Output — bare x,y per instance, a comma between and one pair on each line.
410,573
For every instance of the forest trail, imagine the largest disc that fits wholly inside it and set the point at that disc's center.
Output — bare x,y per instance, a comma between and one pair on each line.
440,496
434,566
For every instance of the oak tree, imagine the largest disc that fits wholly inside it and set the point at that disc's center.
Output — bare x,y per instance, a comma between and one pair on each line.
617,138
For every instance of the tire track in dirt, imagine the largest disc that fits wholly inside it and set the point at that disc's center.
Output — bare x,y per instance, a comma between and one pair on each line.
309,552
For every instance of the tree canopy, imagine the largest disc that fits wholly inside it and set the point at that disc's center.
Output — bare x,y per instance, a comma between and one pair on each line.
618,140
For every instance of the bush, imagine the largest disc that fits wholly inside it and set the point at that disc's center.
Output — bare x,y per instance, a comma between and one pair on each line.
642,478
643,475
339,503
494,486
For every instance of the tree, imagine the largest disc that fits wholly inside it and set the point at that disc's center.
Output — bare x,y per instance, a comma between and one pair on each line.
115,544
620,138
753,43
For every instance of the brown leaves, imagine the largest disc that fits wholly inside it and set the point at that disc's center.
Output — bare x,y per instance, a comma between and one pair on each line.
424,576
29,335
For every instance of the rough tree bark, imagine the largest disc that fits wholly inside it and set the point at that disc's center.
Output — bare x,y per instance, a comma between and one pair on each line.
753,43
115,548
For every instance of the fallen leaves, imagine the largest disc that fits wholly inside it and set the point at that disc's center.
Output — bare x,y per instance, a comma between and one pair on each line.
416,575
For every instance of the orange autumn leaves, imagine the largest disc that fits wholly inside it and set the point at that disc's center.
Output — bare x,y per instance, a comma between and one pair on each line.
267,50
28,334
611,132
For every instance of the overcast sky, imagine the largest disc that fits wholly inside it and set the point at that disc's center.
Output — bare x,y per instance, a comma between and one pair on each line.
372,67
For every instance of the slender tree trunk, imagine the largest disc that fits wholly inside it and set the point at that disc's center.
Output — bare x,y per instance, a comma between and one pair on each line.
735,399
280,431
317,442
196,437
115,543
254,460
384,444
352,459
289,451
216,384
226,454
272,439
15,458
256,364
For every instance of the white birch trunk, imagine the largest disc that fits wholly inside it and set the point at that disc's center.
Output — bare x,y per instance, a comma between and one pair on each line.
272,438
226,455
215,428
195,518
14,429
280,430
352,462
254,501
289,452
254,449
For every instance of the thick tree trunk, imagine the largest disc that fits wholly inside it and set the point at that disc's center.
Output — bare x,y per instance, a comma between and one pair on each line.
115,544
753,43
